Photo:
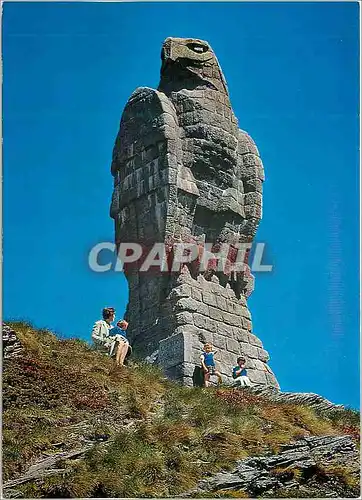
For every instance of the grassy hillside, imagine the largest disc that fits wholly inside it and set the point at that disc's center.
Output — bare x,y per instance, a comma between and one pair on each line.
148,436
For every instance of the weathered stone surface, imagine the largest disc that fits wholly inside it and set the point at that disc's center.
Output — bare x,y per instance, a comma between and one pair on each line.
175,350
249,350
233,346
240,335
262,354
187,304
257,377
253,339
216,314
184,173
219,341
152,358
11,344
268,474
300,398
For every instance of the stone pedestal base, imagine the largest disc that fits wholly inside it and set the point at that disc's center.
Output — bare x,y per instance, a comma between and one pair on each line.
205,311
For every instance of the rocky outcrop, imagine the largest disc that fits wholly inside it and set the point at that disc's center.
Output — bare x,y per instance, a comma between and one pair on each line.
43,468
312,466
11,344
316,401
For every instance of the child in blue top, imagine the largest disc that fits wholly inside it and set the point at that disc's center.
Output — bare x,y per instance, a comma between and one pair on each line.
208,364
119,330
240,375
119,337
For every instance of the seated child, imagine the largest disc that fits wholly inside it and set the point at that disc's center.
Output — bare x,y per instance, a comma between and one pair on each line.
240,374
208,364
119,337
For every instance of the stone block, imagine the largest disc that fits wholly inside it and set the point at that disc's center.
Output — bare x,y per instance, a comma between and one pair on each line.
204,336
224,293
253,185
215,313
223,329
187,186
246,324
200,321
219,341
196,294
215,286
253,339
231,319
250,160
229,307
221,302
203,309
188,329
215,279
263,355
230,359
230,292
201,282
188,369
268,369
175,350
209,298
184,318
179,374
253,199
240,335
187,304
204,322
250,363
185,277
260,365
171,175
195,356
271,380
187,382
183,290
233,346
244,311
249,350
253,211
223,369
257,377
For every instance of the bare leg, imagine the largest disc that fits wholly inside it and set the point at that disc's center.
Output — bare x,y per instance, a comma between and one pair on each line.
118,353
124,350
219,378
206,378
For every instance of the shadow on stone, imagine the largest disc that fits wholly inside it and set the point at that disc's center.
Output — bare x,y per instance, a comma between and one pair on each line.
198,377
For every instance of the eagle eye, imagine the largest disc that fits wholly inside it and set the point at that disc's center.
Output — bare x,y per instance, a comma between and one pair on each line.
198,47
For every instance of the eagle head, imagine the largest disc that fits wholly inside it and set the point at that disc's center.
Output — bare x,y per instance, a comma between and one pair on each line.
189,63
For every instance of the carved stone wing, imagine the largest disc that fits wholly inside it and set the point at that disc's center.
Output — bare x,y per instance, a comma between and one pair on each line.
144,165
251,172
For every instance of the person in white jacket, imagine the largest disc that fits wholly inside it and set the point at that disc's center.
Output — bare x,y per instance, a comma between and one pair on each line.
100,331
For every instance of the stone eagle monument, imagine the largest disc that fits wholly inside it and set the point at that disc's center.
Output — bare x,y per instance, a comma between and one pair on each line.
184,172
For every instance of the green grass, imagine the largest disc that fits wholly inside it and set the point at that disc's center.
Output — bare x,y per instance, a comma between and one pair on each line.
160,438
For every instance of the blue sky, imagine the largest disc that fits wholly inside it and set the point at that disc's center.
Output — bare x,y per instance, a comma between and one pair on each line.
292,72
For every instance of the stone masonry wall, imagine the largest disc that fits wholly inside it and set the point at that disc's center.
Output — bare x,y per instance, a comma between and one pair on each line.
205,311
